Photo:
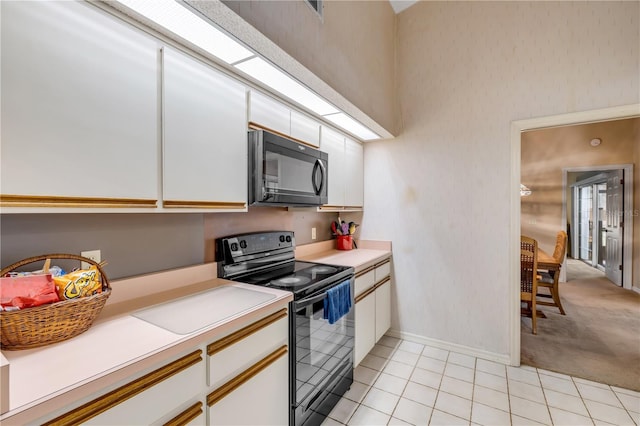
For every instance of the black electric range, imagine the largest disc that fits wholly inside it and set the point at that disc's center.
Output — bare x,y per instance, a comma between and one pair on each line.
268,259
320,346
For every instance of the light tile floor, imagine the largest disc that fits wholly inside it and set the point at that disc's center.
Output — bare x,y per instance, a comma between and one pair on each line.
406,383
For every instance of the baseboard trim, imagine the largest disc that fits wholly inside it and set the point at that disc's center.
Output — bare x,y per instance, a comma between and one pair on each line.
441,344
636,289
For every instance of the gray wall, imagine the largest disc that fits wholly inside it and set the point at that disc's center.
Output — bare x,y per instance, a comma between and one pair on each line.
132,244
135,244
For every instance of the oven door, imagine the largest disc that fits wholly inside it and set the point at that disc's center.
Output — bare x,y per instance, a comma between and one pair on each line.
321,359
285,172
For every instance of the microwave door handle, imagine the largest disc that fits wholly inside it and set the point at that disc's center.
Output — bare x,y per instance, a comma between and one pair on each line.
316,166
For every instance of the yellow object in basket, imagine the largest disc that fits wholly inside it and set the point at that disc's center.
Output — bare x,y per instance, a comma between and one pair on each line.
80,283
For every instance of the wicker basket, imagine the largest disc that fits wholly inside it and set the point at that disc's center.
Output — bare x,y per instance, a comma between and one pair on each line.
55,322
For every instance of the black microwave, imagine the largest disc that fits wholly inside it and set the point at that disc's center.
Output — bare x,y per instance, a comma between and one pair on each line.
284,172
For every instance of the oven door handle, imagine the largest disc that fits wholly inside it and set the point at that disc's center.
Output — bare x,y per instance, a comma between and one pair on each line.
306,302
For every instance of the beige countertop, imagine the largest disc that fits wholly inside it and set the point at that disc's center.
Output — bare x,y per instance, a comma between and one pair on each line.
117,345
367,254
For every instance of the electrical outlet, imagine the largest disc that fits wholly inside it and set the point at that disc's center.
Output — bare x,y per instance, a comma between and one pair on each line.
91,254
313,233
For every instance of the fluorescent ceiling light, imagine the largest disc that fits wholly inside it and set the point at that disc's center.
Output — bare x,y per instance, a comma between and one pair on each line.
351,125
184,23
266,73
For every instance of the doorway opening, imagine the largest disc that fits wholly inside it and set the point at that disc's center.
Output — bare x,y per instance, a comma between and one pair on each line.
596,201
517,128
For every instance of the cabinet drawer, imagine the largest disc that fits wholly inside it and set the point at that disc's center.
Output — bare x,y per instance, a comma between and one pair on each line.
192,416
364,281
258,396
235,353
146,399
383,271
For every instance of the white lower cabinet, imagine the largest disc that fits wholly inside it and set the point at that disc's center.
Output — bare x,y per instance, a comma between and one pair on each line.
243,378
249,374
154,398
365,330
373,308
259,396
383,308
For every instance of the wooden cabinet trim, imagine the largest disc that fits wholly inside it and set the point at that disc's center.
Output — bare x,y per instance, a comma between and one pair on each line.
90,202
381,283
257,126
204,204
121,394
365,293
384,262
364,271
186,416
231,339
245,376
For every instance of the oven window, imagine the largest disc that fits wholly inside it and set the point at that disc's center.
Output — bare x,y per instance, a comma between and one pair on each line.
321,348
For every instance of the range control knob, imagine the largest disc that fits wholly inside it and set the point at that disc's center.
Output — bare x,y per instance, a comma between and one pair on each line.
243,244
282,238
234,246
288,238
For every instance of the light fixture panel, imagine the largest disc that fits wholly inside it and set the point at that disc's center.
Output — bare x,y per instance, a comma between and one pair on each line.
349,124
189,26
266,73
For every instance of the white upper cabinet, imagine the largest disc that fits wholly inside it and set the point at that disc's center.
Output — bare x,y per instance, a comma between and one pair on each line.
269,113
79,107
205,136
346,171
354,174
332,143
305,128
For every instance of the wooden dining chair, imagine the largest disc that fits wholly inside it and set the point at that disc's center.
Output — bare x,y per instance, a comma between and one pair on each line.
529,276
549,279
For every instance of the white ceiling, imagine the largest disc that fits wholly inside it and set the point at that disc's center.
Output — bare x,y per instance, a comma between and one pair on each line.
400,5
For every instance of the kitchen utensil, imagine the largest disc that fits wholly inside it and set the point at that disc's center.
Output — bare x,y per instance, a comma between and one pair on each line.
338,228
352,228
344,228
333,227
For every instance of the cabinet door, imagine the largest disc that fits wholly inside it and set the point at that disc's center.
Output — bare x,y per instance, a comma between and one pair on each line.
332,143
205,136
269,113
79,105
305,128
383,309
354,173
365,331
262,400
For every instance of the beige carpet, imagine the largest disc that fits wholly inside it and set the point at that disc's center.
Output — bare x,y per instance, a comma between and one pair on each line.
598,339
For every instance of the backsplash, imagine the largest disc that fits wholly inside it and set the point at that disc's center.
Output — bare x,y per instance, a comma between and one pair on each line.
268,219
136,244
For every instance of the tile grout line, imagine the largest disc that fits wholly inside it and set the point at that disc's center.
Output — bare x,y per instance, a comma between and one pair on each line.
544,395
582,399
407,384
446,361
387,359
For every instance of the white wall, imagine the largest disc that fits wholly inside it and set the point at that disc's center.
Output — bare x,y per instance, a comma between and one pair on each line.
440,191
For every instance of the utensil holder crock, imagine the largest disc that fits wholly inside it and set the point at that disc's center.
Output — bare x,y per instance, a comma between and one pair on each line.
345,242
